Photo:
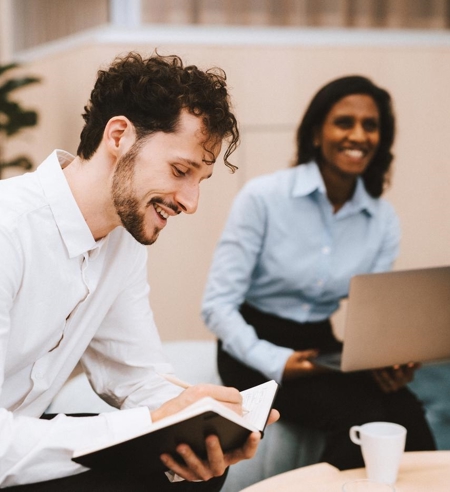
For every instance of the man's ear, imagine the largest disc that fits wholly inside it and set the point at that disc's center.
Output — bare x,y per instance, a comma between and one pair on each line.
119,135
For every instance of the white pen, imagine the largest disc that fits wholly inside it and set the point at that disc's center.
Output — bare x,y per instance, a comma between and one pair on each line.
182,384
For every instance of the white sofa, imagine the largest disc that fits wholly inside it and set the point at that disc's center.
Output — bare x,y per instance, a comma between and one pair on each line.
284,447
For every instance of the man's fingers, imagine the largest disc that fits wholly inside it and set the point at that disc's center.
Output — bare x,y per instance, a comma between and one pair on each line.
194,468
273,416
216,459
177,468
246,452
216,462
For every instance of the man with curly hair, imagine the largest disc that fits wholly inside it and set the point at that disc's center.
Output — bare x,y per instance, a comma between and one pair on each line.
73,283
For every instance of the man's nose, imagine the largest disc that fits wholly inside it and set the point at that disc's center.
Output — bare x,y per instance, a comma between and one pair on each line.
187,198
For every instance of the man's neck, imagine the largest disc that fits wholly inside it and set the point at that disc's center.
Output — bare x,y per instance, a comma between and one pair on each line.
89,182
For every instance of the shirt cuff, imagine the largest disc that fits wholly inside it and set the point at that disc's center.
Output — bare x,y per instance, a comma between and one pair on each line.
128,423
269,359
173,477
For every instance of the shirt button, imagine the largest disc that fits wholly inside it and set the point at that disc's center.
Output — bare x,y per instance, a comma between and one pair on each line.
319,283
306,307
326,250
37,374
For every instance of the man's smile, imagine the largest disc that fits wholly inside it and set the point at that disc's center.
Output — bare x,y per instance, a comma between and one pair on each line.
160,211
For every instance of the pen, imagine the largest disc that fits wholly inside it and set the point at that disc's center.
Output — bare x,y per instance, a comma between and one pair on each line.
182,384
174,380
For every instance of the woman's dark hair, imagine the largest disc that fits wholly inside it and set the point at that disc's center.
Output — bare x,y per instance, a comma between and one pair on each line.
151,93
376,176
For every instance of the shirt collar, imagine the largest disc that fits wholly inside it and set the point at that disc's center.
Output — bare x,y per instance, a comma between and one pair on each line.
361,200
68,217
308,179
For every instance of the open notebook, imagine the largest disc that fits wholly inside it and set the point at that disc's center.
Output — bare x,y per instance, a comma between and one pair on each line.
207,416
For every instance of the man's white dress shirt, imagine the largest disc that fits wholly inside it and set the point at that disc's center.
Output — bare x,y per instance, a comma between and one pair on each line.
65,297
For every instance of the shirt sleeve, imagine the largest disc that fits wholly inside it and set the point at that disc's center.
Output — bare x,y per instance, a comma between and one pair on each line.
34,450
31,449
125,358
228,283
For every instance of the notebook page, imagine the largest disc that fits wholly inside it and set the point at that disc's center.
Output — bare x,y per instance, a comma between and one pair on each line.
258,402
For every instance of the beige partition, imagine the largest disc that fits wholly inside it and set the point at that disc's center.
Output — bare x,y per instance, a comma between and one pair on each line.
271,82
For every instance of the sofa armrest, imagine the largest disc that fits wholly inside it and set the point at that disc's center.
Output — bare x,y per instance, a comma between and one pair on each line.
193,361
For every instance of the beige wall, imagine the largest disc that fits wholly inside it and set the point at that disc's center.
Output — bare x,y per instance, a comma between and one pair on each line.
270,85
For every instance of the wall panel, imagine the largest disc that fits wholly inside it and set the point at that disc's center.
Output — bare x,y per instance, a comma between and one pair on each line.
270,85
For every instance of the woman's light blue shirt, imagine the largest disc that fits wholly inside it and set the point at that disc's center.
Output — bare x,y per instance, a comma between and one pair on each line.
285,252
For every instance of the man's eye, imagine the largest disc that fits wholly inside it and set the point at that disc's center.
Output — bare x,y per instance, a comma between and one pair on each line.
178,171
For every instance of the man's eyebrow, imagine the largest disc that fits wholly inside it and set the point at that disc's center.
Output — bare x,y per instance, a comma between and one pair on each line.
196,164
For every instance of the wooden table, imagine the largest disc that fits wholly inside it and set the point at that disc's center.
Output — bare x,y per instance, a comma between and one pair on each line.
424,471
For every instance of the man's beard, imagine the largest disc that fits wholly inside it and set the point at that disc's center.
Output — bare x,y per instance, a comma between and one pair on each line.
125,201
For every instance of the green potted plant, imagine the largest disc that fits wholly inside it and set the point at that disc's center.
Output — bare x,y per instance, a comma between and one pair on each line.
13,117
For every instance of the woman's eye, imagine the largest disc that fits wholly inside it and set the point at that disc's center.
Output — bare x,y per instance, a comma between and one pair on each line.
344,123
370,126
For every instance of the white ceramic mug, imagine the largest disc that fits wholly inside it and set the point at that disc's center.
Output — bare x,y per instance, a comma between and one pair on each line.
382,445
367,486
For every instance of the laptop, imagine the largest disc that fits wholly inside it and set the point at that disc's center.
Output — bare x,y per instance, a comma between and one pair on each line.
395,318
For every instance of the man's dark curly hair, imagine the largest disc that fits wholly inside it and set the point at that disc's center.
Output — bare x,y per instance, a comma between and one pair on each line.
376,176
151,92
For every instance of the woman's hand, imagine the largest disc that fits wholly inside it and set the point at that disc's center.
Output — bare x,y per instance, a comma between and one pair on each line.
391,379
300,364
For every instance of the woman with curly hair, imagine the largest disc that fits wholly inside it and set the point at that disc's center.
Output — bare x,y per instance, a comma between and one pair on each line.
292,242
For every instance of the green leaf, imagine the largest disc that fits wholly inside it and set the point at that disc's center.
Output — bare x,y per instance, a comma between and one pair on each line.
5,68
13,117
13,84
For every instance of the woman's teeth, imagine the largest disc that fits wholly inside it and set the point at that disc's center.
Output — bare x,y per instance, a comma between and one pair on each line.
356,153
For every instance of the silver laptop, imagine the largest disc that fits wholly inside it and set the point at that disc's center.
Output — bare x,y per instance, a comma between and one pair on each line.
395,318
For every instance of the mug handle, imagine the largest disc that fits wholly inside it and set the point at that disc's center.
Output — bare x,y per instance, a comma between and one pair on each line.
354,434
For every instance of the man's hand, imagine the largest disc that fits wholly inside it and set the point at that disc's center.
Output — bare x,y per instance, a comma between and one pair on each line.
301,363
217,461
229,397
391,379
